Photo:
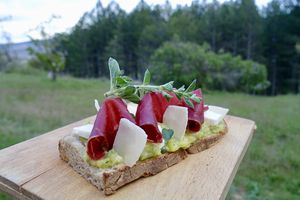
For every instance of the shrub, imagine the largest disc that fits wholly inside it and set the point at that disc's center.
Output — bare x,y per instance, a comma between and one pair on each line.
185,61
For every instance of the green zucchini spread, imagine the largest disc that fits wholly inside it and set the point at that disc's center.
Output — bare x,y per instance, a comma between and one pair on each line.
111,158
151,150
173,145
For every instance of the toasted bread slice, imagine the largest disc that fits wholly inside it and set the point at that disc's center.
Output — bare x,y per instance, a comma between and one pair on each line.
109,180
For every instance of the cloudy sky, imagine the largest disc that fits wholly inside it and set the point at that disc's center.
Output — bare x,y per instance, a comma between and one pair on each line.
26,15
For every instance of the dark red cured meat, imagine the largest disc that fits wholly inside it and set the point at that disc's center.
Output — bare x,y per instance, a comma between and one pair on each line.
146,116
106,126
160,104
196,114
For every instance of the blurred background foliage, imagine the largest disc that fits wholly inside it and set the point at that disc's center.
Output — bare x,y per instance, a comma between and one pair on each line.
185,61
238,47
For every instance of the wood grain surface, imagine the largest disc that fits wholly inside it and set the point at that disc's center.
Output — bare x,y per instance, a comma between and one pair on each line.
33,170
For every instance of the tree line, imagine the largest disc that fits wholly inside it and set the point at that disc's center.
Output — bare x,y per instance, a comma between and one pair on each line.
270,36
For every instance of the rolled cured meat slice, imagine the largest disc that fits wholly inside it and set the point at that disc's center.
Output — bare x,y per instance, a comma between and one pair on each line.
146,117
106,126
196,114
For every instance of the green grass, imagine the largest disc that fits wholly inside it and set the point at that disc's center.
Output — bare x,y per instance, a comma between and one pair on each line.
32,105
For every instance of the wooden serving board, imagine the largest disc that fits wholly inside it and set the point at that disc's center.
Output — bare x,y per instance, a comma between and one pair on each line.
33,170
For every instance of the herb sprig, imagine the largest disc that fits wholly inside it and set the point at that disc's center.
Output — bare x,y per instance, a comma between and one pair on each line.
124,87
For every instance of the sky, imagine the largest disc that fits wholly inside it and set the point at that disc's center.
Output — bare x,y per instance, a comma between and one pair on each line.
26,15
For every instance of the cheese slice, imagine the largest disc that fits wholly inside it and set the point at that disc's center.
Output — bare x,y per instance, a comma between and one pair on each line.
176,118
83,131
215,114
220,110
130,141
212,117
132,107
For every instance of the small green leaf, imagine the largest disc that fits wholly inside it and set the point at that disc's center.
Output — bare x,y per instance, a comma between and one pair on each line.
191,87
179,95
166,95
133,98
195,98
120,81
147,77
167,134
129,90
114,71
181,89
150,89
168,86
189,102
128,79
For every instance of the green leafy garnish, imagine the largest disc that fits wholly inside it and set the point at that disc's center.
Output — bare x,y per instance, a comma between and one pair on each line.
123,86
166,95
168,86
191,87
147,78
195,98
114,70
167,134
188,102
122,80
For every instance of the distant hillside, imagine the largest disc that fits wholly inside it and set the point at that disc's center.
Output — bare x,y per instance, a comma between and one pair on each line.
18,50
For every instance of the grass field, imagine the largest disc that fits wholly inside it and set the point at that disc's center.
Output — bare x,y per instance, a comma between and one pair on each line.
31,105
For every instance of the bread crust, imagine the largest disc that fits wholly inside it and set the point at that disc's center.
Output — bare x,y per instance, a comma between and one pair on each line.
109,180
207,142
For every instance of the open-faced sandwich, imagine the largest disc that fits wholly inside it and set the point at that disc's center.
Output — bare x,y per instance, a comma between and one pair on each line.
141,130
